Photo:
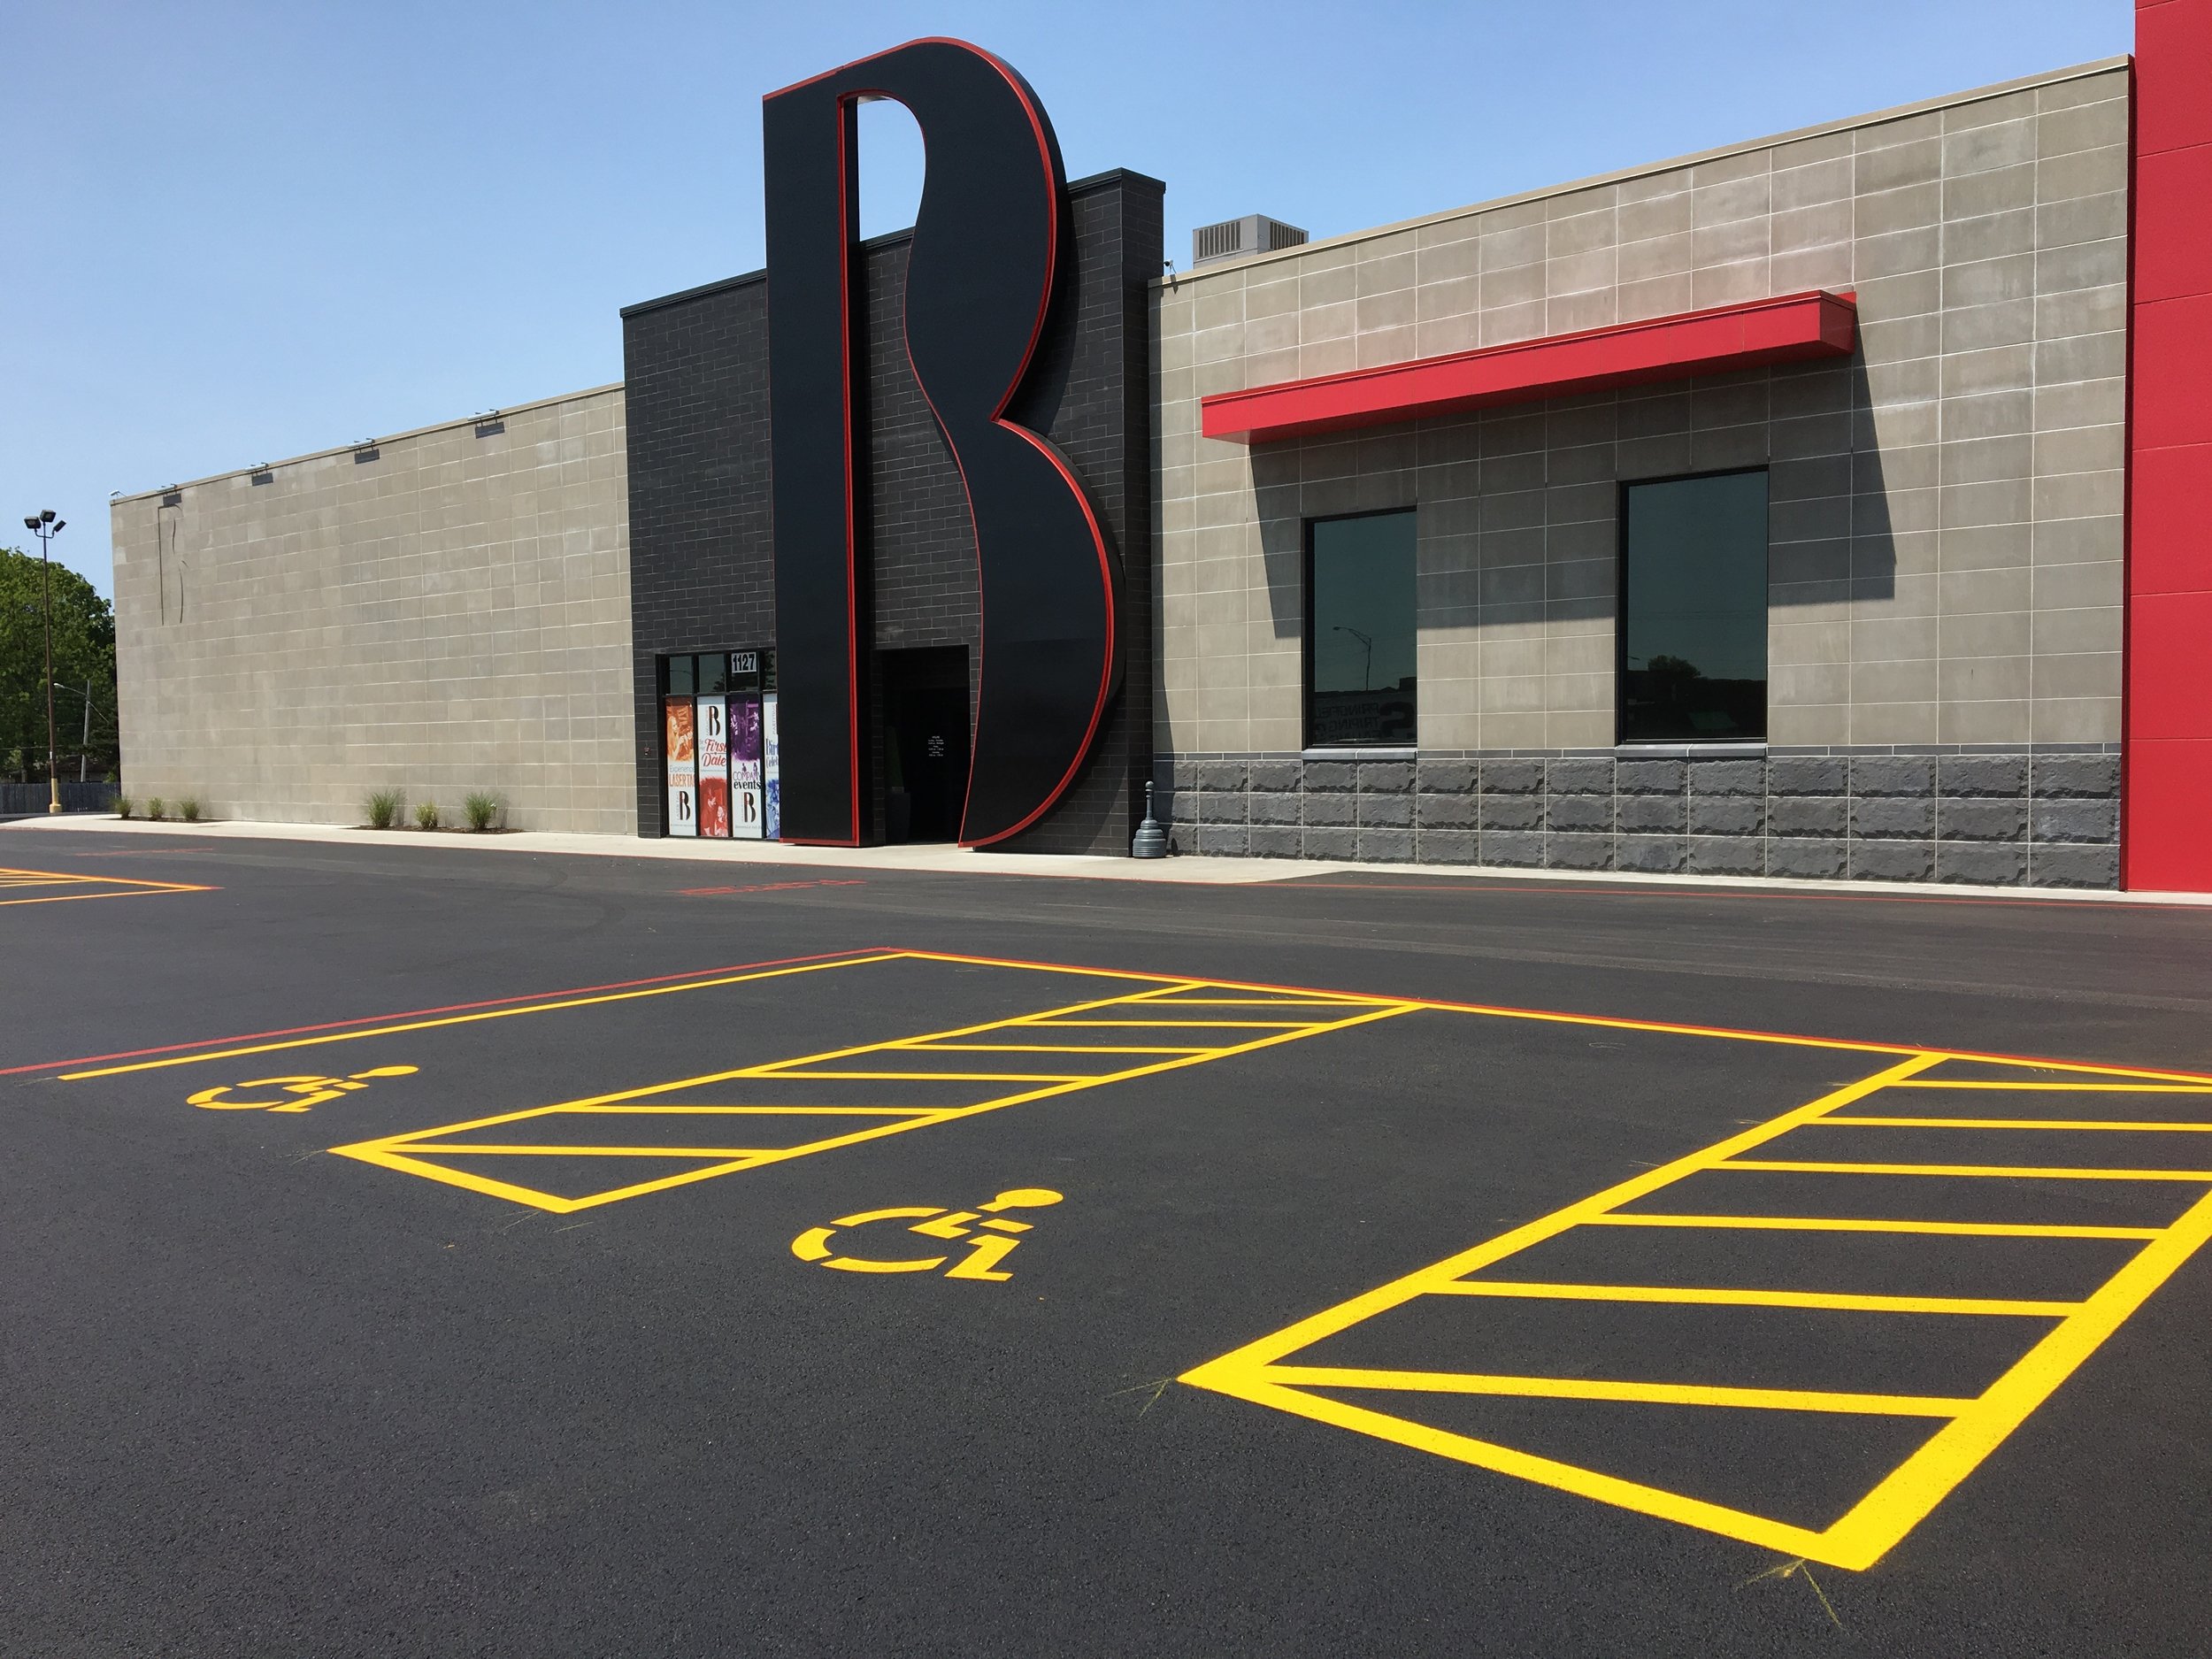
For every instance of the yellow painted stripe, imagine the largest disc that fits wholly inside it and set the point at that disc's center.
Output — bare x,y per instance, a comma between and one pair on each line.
1268,1349
555,1150
764,1112
1820,1224
1183,980
383,1158
2059,1088
755,1073
1250,1383
1276,1002
1045,1047
484,1014
130,893
778,1070
112,881
1905,1053
1591,1388
1903,1500
2018,1171
391,1152
936,1076
1199,1024
2013,1122
1726,1297
1895,1505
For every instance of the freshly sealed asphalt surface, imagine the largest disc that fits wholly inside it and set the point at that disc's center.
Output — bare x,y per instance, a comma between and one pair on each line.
453,1392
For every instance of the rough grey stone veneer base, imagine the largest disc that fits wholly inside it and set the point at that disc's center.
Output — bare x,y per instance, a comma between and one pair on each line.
2028,819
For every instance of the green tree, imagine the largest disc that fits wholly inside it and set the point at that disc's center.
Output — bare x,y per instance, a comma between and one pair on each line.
84,654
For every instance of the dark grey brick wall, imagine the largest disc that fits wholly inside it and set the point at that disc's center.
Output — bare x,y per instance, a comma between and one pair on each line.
697,409
1090,391
701,572
2038,818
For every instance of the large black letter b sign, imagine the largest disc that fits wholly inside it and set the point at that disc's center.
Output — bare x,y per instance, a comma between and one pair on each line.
978,281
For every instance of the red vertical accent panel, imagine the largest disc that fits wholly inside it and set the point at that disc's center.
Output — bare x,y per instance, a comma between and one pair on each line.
2166,803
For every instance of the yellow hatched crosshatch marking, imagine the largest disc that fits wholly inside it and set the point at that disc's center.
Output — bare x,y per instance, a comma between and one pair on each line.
1265,1372
23,886
1033,1052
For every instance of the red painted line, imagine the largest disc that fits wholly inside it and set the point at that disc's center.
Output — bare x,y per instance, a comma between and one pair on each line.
420,1013
1476,885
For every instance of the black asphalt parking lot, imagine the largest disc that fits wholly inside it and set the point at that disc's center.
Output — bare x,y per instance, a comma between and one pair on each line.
1301,1325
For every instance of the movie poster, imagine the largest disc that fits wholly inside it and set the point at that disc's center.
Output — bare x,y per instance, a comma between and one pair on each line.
745,805
683,766
771,770
714,768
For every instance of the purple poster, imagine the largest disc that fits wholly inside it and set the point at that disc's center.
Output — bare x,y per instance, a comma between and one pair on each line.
745,803
745,739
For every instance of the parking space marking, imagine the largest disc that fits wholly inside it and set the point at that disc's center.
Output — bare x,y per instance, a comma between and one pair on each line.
2104,1105
22,881
1265,1371
428,1152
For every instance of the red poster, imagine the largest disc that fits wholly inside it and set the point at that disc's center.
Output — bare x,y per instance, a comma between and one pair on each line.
683,768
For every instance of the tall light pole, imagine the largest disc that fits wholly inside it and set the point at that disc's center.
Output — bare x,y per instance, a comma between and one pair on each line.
1367,667
45,527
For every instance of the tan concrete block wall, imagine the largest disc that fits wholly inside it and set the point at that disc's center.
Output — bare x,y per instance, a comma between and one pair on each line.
451,616
1946,528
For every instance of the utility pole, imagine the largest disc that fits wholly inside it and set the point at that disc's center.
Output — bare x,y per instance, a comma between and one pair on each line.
84,739
45,527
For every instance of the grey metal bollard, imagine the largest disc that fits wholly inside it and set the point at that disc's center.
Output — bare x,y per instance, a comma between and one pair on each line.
1151,842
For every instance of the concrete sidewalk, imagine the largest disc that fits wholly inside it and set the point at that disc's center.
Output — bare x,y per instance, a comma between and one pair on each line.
774,856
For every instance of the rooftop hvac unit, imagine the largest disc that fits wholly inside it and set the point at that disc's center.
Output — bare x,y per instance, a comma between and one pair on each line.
1232,238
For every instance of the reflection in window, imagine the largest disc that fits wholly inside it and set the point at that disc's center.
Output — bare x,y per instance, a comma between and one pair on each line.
1360,652
1694,610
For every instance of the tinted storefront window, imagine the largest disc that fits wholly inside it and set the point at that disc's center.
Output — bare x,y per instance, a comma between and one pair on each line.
1694,609
1360,634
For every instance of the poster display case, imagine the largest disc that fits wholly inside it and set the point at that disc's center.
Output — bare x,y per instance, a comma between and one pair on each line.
718,750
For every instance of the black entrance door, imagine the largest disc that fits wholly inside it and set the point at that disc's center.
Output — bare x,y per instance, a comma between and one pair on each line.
925,742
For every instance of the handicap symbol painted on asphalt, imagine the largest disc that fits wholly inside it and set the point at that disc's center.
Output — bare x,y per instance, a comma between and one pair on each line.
294,1093
989,1242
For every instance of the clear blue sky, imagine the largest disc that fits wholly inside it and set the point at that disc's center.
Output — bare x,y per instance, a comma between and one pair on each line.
241,232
